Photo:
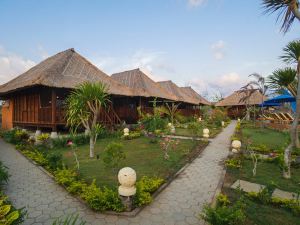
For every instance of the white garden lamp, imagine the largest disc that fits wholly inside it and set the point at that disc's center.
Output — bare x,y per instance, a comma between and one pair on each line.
206,133
236,146
127,189
199,119
223,124
126,131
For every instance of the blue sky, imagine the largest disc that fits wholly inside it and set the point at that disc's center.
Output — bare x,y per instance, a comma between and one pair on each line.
212,45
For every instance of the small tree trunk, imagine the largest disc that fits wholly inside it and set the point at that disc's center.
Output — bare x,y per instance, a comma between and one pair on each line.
92,145
287,162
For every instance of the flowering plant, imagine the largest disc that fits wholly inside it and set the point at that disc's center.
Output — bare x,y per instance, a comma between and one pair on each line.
167,144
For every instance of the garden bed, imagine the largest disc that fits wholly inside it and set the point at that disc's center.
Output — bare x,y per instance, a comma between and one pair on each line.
260,208
96,182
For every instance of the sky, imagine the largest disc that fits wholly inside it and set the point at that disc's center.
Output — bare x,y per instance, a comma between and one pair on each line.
212,45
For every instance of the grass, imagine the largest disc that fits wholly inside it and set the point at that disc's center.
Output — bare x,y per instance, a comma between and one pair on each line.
189,132
274,140
258,214
266,173
144,157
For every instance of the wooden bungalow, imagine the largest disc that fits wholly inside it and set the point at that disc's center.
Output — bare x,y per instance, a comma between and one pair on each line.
189,104
36,97
236,104
145,90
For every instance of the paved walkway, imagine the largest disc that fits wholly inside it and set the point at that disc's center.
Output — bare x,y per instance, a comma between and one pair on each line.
180,203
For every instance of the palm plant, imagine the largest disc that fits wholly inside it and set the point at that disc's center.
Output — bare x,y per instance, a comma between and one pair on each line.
288,11
83,107
292,56
171,110
283,79
259,84
248,91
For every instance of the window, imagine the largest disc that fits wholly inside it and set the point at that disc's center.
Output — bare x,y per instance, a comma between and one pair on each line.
45,98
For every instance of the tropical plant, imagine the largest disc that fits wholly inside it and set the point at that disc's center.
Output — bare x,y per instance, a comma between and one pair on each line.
4,176
113,155
283,79
288,11
7,214
248,91
171,110
166,145
258,84
292,56
84,105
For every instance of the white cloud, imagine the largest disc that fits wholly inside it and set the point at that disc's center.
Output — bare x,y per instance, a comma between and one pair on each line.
12,65
218,49
153,63
224,84
195,3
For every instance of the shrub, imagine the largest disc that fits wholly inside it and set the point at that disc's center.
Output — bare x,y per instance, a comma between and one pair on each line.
223,200
7,214
102,200
65,176
36,156
233,163
3,174
132,135
225,215
76,187
113,155
54,160
15,136
145,187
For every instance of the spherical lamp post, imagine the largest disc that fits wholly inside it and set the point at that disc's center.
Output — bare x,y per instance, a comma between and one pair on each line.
127,189
236,146
126,131
206,133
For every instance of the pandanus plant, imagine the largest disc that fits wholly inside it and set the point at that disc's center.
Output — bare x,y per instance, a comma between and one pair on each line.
83,107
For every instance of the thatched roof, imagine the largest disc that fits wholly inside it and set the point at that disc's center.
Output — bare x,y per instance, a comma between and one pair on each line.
66,69
235,99
178,92
191,92
142,85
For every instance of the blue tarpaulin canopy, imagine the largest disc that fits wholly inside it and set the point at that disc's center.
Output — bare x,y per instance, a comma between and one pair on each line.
276,101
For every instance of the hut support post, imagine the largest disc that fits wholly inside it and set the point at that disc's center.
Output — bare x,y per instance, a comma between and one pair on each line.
53,109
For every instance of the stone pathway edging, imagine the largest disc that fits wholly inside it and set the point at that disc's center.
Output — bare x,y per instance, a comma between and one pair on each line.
179,203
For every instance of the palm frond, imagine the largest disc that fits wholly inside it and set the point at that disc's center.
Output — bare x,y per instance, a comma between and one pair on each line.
287,11
291,52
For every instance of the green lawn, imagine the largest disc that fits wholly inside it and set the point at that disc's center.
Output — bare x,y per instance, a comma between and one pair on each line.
189,132
274,140
145,157
266,173
258,214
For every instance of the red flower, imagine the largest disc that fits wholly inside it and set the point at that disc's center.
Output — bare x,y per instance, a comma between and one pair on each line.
69,143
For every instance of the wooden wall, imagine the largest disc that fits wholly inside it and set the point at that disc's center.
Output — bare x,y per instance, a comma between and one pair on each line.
7,115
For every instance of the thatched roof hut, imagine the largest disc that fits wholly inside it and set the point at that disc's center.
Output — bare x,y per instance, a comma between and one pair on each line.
66,69
191,92
178,92
236,99
142,85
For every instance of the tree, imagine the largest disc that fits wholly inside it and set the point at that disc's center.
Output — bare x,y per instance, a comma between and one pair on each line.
283,79
248,91
292,56
288,11
259,84
83,107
